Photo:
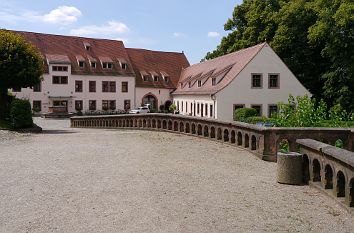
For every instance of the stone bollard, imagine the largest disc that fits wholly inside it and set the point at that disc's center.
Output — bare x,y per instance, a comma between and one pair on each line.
289,168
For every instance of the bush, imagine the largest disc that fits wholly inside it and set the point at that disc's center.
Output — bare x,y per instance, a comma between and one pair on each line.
259,119
242,114
162,107
172,108
20,114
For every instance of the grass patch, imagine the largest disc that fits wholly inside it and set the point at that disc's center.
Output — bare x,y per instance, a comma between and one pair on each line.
5,124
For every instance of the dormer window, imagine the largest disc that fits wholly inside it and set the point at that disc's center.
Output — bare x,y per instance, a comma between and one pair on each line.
166,78
146,78
81,64
93,64
189,84
87,46
199,83
124,66
181,85
107,65
156,78
213,81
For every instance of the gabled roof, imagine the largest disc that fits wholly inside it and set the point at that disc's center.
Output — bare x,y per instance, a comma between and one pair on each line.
224,69
68,49
147,62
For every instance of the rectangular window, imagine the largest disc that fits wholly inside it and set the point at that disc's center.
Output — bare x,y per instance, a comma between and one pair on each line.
237,106
60,68
256,81
258,108
206,109
78,105
93,64
78,86
197,108
81,64
124,66
272,109
211,110
124,87
60,79
213,81
156,78
37,106
108,86
126,105
166,78
199,83
273,82
92,86
146,78
107,65
37,87
92,105
108,105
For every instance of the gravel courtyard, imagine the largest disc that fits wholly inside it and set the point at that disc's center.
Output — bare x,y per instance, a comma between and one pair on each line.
94,180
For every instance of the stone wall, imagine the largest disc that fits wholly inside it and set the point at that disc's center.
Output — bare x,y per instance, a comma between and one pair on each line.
262,141
330,168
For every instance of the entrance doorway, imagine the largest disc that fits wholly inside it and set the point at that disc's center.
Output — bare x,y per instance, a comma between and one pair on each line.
60,105
150,100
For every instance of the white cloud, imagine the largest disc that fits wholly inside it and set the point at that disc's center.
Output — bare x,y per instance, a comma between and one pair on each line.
213,34
110,28
60,15
63,14
179,34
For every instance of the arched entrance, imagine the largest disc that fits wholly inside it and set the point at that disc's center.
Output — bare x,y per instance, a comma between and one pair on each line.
151,100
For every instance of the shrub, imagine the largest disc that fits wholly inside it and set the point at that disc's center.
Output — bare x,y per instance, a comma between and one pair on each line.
284,146
259,119
20,114
162,107
339,143
242,114
172,108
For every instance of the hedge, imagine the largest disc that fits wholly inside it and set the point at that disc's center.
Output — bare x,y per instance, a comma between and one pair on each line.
20,114
242,113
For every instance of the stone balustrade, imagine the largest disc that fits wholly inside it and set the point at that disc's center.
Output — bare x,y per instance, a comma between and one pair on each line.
330,168
262,141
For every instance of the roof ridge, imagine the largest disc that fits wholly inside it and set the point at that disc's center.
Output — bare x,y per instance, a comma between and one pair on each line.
157,51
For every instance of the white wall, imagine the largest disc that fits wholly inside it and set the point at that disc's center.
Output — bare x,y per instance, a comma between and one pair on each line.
49,89
162,95
190,101
239,91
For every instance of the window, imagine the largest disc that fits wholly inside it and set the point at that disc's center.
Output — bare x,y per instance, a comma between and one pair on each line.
60,80
107,65
93,64
146,78
37,87
206,109
60,68
166,78
126,105
197,108
211,110
16,89
273,81
256,81
272,109
189,84
87,47
78,86
182,106
237,106
92,105
258,109
108,86
213,81
124,66
108,105
81,64
124,86
78,105
92,86
156,78
199,83
37,106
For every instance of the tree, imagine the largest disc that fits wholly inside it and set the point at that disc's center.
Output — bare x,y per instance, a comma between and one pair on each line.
21,66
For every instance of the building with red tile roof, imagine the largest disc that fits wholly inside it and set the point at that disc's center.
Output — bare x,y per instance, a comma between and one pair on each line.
253,77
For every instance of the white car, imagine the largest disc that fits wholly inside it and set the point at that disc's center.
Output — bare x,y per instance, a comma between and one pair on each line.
140,110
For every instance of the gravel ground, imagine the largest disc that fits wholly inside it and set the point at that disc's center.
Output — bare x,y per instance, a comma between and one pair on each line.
90,180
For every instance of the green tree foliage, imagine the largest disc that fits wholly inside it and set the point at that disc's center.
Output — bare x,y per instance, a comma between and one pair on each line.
21,65
242,114
315,38
21,114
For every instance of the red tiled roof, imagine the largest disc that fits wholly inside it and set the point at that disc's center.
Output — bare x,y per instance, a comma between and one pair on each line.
157,63
74,47
224,69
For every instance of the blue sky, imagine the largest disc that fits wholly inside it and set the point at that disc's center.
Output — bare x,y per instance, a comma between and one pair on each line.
192,26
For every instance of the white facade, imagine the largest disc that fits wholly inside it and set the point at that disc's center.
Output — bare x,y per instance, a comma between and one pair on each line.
239,92
161,94
51,93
